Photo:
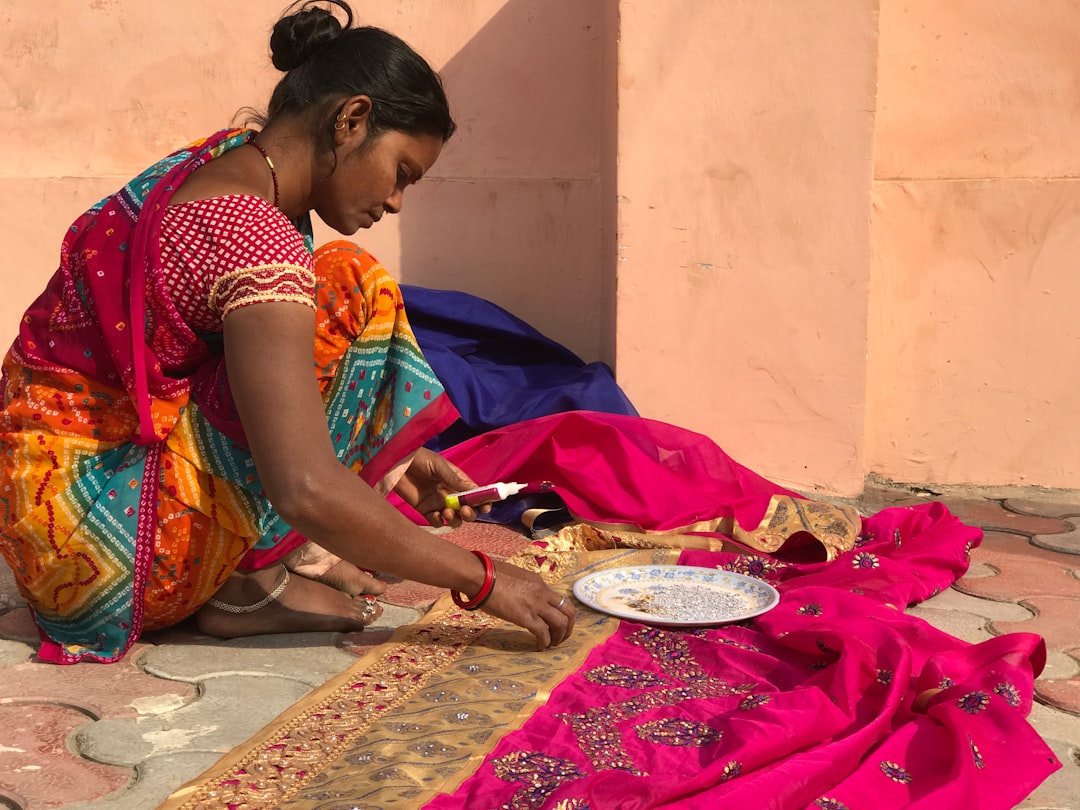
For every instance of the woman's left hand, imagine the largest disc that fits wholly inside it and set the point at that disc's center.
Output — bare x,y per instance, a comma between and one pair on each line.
427,482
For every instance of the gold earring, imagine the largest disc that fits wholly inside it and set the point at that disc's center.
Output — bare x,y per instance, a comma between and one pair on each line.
340,125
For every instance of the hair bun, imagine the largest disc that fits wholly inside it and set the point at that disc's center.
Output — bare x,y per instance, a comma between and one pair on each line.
300,34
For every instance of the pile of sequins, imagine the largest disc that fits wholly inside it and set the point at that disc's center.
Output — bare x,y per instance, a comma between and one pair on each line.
687,603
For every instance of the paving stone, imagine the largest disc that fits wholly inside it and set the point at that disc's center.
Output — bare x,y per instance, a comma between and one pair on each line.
1052,504
1061,791
1019,578
962,625
360,643
1053,724
1068,543
15,652
990,514
952,599
310,658
36,765
1059,665
112,690
416,595
230,709
9,591
1019,545
1061,694
393,617
18,625
1055,620
978,570
156,780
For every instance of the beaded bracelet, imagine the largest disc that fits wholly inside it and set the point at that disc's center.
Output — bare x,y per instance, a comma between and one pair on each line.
485,589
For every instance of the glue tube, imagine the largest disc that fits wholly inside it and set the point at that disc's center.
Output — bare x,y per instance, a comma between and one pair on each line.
482,495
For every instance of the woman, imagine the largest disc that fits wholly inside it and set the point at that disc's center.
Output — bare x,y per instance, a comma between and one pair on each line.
186,466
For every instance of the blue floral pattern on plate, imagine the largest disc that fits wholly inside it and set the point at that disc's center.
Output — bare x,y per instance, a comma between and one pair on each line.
676,595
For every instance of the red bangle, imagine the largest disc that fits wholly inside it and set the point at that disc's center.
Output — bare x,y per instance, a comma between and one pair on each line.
485,589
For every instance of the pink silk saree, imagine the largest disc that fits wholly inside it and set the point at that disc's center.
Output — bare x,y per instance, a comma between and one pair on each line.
809,705
834,699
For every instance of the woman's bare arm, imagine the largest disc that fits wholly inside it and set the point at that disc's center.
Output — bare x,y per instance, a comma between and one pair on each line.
269,359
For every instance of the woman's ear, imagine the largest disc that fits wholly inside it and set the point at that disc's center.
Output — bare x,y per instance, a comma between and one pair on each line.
351,122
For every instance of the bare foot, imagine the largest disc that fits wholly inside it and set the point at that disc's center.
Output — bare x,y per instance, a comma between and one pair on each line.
354,581
315,562
304,606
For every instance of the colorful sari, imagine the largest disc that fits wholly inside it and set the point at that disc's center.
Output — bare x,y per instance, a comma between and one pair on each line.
129,494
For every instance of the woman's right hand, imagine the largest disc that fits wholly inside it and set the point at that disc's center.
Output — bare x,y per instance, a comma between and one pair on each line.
521,597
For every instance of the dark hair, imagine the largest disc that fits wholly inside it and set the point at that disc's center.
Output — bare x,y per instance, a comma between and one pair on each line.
325,61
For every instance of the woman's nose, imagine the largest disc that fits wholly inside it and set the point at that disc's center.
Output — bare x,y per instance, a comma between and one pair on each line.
393,202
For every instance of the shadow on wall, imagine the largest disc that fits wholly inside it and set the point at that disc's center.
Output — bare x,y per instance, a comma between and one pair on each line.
515,209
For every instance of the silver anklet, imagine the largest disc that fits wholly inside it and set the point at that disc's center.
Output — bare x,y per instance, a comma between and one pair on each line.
266,600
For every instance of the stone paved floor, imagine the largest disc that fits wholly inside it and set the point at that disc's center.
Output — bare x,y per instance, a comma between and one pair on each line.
125,736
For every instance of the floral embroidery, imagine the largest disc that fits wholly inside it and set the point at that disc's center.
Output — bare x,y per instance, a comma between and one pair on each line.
753,701
817,666
615,675
896,537
672,652
946,683
895,772
674,731
864,540
865,560
811,609
825,803
967,550
755,566
980,763
731,770
596,728
542,775
974,702
1009,693
885,676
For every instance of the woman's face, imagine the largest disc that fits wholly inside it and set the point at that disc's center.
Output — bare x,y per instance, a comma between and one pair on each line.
370,181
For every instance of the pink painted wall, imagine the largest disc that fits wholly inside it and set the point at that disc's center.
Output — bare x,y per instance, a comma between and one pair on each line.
745,143
975,341
834,235
90,96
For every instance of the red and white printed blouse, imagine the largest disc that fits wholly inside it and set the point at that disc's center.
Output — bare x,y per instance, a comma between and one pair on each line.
228,252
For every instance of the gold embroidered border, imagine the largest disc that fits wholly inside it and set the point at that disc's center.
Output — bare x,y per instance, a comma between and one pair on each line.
282,759
299,750
835,527
443,733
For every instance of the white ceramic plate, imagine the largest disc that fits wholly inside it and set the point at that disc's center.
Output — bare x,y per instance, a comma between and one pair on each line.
676,595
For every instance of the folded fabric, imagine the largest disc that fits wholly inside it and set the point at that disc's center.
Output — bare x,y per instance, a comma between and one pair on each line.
497,369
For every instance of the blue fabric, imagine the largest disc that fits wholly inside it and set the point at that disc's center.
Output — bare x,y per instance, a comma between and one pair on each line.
499,370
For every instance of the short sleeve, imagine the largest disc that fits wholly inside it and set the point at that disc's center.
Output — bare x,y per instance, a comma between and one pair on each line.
240,250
